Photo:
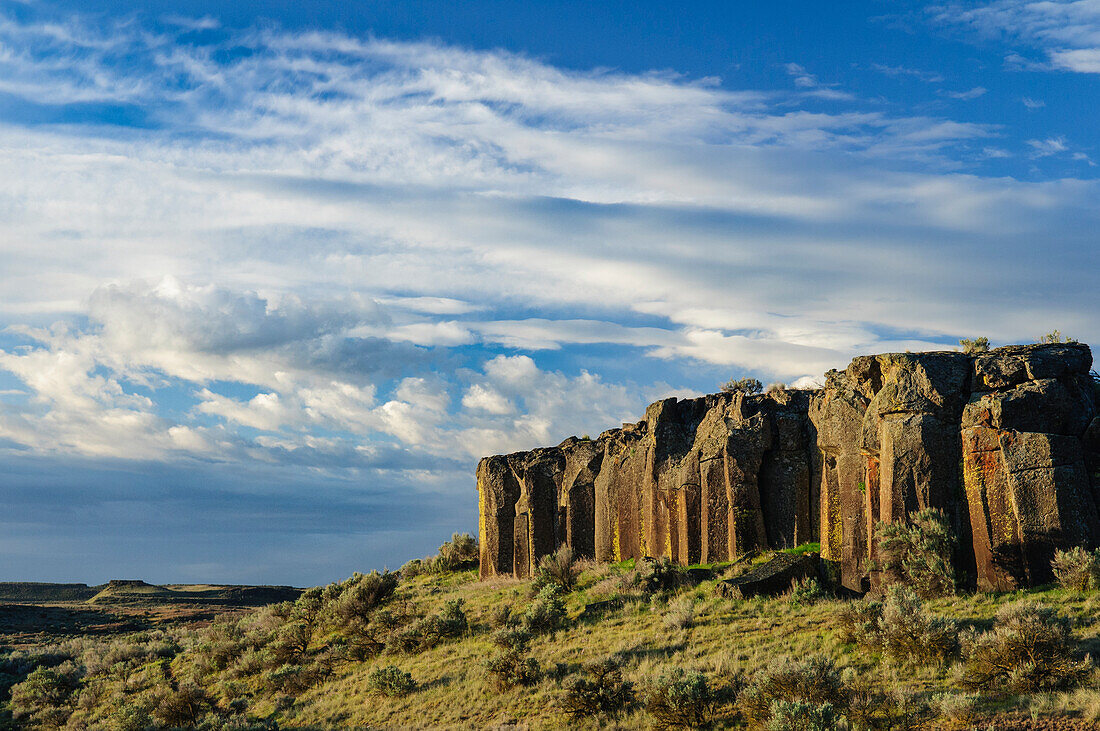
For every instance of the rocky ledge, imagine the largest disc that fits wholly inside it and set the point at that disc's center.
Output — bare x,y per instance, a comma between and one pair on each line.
1006,443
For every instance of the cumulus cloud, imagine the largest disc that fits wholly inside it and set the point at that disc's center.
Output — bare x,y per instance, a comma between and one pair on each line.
332,250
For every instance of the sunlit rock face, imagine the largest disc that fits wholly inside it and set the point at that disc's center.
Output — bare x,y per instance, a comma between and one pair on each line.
1006,443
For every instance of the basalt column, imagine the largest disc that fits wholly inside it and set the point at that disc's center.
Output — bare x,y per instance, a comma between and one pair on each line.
1027,449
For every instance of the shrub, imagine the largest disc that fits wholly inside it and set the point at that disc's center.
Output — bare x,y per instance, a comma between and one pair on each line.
919,552
977,345
428,632
680,698
814,680
799,715
509,665
362,594
806,591
412,569
660,575
546,614
44,698
680,615
601,690
1077,568
183,706
747,386
560,568
909,634
502,616
130,717
960,710
858,622
458,553
1029,649
390,681
1055,336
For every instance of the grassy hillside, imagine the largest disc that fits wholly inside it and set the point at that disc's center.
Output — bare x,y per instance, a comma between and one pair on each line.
315,663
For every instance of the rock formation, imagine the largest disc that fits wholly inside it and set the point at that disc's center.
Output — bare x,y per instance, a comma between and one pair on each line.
1006,443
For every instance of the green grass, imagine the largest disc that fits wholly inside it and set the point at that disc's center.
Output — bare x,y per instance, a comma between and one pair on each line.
804,548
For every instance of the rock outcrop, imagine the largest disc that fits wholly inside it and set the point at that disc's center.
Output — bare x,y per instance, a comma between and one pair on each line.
1006,443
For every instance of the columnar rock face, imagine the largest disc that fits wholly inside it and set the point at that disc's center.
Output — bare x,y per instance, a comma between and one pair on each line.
1007,443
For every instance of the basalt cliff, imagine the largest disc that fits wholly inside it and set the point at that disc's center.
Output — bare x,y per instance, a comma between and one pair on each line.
1006,443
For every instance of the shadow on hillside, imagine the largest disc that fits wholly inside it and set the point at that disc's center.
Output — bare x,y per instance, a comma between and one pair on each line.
24,619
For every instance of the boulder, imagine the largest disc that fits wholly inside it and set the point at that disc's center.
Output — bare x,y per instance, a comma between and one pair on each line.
770,578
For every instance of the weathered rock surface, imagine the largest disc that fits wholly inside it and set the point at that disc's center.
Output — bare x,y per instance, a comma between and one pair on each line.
1006,443
770,578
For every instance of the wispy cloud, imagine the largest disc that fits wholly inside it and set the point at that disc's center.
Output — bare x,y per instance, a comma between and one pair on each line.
1067,31
344,253
925,76
973,93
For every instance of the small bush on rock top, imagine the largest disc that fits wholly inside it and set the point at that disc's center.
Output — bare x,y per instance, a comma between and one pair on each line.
918,553
747,386
679,698
390,681
977,345
1077,569
1029,649
601,690
1056,336
814,680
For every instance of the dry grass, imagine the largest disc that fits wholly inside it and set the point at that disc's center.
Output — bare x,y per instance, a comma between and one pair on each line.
730,641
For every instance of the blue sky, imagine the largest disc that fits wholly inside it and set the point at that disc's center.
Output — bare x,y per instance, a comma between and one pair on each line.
274,275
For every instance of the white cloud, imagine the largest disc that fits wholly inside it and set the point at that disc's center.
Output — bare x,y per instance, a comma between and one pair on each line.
1068,32
973,93
1047,147
311,229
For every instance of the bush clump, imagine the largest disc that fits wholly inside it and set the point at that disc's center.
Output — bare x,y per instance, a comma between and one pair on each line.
747,386
679,698
390,680
1077,569
659,576
814,681
680,614
546,614
805,591
601,690
428,632
977,345
461,552
799,715
957,710
509,666
560,568
900,628
1029,649
918,553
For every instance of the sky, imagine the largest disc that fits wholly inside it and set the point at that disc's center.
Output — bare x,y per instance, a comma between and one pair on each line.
274,275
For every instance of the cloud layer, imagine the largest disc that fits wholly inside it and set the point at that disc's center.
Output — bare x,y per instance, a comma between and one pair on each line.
361,259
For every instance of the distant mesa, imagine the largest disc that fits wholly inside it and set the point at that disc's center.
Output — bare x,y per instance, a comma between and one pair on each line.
127,589
1005,442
